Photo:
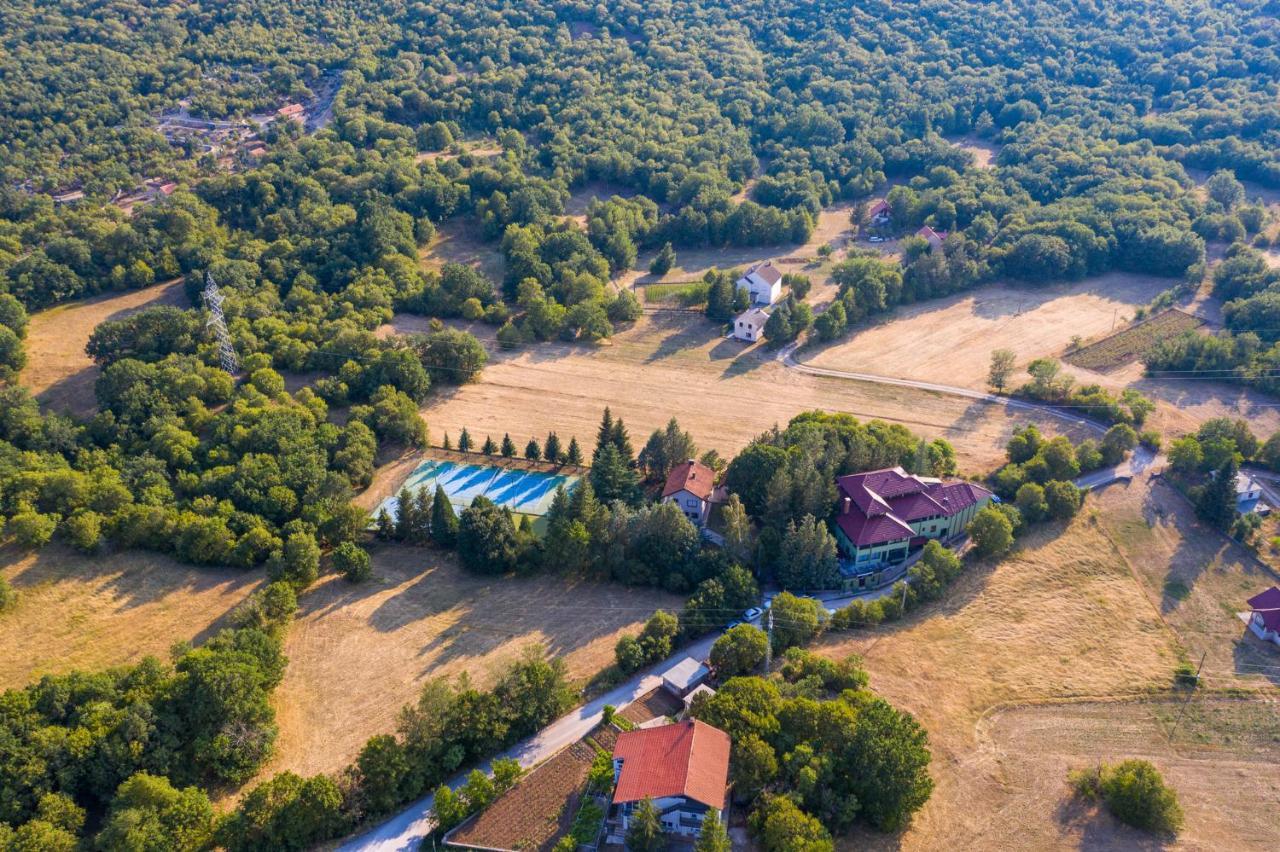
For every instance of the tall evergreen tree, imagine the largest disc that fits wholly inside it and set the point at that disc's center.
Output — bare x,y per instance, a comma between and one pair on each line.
532,451
508,447
404,514
386,527
713,837
445,445
1216,505
613,479
551,450
444,523
573,455
464,441
489,447
421,530
604,435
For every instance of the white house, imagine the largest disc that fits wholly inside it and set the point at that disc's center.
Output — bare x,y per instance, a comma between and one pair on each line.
691,485
763,283
1264,615
1248,492
683,768
749,325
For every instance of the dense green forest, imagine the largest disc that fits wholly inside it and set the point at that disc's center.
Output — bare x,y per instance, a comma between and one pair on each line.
1097,110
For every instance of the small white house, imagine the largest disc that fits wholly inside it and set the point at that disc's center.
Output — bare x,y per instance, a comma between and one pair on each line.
1248,492
749,325
763,283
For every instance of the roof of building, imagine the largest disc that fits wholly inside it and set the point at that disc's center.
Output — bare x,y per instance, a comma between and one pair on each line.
881,206
930,234
1267,605
766,272
883,503
689,759
685,673
1245,483
757,315
692,476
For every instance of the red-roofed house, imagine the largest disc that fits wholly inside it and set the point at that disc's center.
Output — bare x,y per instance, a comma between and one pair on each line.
885,514
292,112
932,237
691,485
1264,620
763,283
880,212
683,768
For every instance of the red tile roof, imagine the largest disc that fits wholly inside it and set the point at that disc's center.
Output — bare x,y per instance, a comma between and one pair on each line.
883,503
1267,605
689,759
934,237
879,207
694,477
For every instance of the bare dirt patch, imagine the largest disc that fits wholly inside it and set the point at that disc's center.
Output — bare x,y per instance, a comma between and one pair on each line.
984,151
90,613
951,339
580,198
358,653
677,364
460,240
59,373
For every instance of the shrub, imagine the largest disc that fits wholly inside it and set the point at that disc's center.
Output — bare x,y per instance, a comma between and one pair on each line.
991,531
8,597
1134,792
739,651
31,530
352,562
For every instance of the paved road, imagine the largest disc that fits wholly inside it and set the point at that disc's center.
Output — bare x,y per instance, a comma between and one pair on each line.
405,831
787,356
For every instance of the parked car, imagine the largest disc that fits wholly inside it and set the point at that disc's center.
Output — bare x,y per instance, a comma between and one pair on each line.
752,614
875,239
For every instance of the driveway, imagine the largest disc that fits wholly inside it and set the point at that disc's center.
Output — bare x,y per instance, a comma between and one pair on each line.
1139,461
405,831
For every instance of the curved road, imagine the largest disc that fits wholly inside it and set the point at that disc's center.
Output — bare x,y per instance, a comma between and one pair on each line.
787,358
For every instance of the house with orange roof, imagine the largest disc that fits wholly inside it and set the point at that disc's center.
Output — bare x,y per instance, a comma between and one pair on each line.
691,485
682,768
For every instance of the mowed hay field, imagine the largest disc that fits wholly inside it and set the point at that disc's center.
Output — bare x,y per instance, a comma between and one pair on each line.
676,364
951,339
1063,618
89,613
357,654
59,373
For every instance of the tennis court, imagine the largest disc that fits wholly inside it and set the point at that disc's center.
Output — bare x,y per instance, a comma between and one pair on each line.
526,492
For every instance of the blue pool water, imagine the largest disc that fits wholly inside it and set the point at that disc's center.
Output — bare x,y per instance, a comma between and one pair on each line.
523,491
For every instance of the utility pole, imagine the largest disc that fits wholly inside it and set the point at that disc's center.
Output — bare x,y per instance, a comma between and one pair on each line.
768,648
218,321
1183,711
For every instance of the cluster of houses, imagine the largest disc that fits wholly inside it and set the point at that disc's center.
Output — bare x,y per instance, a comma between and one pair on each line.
763,285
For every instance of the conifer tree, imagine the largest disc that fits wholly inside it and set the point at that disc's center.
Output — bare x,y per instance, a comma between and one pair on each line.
464,441
604,435
532,451
508,447
1216,504
613,478
445,445
551,450
404,514
444,523
573,455
421,530
386,527
489,447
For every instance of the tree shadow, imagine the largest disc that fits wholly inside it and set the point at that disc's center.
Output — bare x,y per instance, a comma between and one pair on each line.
1098,830
1253,657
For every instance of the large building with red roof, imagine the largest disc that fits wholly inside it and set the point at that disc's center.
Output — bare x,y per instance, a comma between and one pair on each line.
884,515
683,768
691,485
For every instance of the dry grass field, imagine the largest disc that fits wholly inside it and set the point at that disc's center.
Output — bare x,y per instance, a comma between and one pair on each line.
676,364
357,654
59,373
984,152
89,613
1061,656
1134,342
951,339
459,240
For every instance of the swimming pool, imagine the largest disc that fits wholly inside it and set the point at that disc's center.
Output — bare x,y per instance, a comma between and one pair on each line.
527,492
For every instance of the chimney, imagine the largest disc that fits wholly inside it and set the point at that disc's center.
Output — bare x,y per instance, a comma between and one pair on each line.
844,506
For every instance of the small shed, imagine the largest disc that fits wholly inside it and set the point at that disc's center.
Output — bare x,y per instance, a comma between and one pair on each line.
700,689
749,325
685,676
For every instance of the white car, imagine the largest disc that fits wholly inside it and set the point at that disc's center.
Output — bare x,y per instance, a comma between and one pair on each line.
752,614
875,239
